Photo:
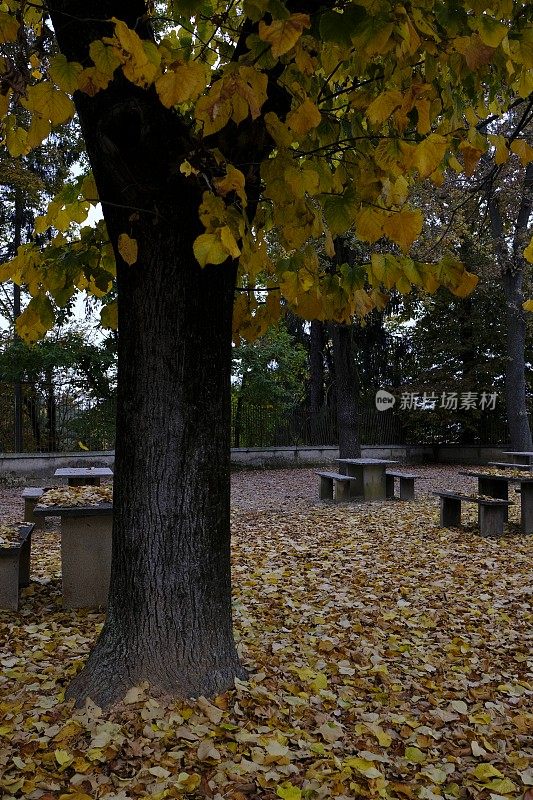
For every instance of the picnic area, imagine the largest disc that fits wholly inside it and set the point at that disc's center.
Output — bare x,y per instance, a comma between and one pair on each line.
387,657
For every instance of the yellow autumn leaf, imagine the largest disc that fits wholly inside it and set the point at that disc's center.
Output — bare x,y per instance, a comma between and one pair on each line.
288,792
427,155
233,181
383,106
523,150
76,795
528,305
369,224
63,758
213,110
364,766
471,156
88,188
384,739
37,318
49,102
414,755
528,252
403,227
483,772
468,283
16,139
38,131
228,241
282,34
501,153
304,118
491,31
109,316
215,248
9,28
65,73
128,249
181,84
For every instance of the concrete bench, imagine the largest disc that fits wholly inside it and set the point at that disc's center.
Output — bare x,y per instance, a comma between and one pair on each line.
31,496
85,552
407,484
341,482
492,511
15,567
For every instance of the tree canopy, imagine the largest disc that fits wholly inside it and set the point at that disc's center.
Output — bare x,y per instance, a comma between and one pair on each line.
345,106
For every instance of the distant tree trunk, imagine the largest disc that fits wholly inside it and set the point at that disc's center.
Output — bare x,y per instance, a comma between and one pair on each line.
169,611
515,374
316,366
17,388
238,414
51,414
347,391
512,264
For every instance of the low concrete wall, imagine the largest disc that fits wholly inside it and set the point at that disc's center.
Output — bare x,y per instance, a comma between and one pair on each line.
37,465
43,465
300,456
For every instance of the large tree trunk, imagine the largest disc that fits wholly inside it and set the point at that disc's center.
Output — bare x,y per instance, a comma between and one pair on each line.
169,611
515,377
347,391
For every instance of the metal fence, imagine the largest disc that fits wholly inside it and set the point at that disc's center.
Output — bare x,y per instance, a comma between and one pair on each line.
60,421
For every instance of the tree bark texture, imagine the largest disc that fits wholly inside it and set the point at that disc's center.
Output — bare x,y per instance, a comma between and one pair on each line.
515,377
347,391
169,610
512,265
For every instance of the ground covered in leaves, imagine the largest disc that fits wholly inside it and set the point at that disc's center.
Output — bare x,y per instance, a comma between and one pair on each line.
388,658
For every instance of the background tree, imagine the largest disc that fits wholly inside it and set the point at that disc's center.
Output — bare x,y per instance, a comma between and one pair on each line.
315,118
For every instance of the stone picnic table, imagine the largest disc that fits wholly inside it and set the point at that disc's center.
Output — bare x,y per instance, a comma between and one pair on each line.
369,476
518,456
85,551
83,476
497,485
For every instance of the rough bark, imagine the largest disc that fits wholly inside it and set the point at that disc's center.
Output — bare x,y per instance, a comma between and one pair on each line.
169,611
515,377
512,265
347,391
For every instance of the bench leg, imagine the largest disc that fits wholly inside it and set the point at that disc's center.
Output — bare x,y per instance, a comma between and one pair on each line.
497,489
526,508
29,505
389,487
85,560
355,471
9,580
491,519
374,484
407,488
24,563
342,491
450,512
326,488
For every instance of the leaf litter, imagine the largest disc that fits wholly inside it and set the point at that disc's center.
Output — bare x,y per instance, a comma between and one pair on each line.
388,658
